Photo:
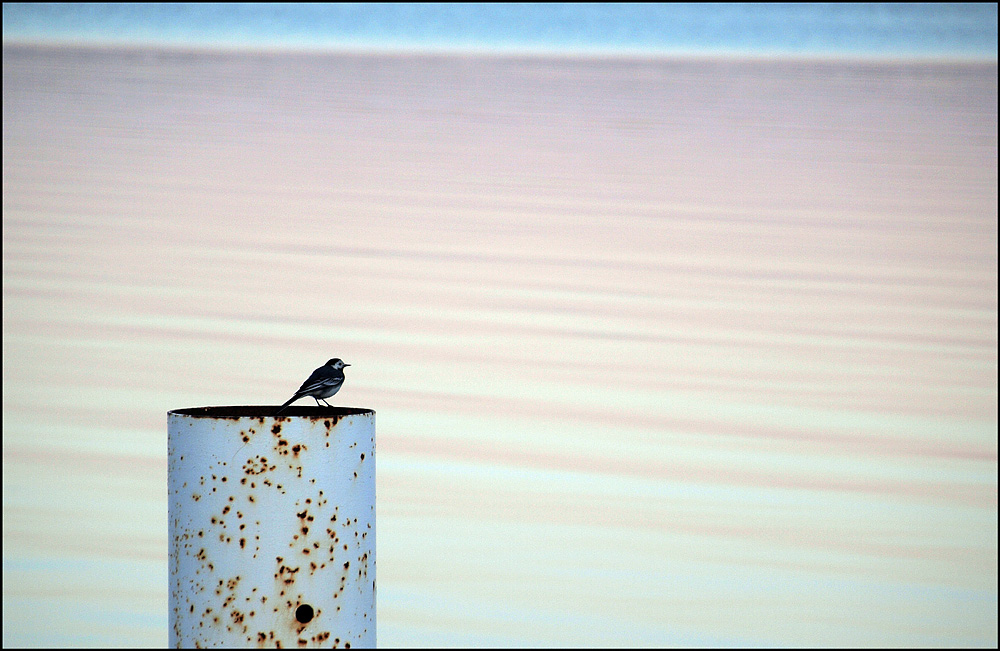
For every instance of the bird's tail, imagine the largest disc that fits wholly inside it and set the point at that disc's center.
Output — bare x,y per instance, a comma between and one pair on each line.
285,406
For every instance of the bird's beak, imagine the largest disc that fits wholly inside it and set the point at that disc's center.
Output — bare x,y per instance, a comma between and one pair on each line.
346,364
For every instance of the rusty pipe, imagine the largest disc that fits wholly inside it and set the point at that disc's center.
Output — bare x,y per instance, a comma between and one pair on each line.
271,527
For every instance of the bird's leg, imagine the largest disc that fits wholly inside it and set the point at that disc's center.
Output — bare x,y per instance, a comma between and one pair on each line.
326,403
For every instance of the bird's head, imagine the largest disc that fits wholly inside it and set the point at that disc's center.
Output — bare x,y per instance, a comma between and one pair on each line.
337,363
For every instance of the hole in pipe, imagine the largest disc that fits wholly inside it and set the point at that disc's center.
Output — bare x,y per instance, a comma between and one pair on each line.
304,613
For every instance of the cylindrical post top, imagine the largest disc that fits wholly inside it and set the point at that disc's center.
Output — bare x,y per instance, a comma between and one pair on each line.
263,411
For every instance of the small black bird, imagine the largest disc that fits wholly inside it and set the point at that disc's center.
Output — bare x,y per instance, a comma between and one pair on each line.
323,383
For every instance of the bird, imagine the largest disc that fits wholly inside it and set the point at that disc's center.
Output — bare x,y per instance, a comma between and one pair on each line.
323,383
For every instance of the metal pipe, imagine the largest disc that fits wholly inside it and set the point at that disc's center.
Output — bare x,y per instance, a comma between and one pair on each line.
272,527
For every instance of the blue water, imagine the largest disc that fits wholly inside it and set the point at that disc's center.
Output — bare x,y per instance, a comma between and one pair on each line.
866,30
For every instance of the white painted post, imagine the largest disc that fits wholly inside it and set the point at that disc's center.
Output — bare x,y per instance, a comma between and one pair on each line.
272,527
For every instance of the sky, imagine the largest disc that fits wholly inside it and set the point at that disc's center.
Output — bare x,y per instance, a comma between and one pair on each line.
962,31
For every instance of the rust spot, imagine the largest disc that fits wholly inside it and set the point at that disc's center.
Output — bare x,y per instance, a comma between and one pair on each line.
286,574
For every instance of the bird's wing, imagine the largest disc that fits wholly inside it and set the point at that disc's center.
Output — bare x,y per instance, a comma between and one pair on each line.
319,379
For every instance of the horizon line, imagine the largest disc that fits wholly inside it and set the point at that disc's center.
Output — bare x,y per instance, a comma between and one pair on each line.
604,54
